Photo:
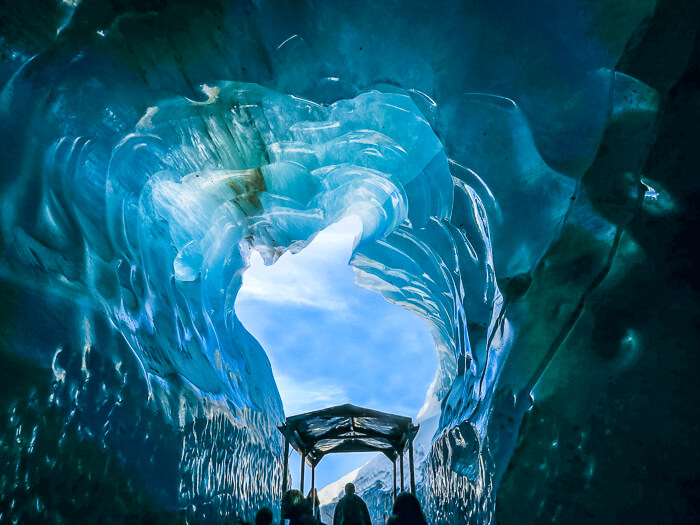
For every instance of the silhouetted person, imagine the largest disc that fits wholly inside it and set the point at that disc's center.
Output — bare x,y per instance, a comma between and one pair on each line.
351,510
407,511
296,509
263,517
312,498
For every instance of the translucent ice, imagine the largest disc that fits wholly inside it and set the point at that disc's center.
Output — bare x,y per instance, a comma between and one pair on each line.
494,154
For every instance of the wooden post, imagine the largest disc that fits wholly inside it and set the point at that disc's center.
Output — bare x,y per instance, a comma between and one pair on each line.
402,476
394,462
410,461
285,472
313,487
301,483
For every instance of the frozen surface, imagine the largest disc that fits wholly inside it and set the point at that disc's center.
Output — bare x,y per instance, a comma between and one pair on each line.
509,164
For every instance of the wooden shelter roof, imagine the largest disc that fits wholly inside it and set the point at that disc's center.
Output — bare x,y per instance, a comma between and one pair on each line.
347,428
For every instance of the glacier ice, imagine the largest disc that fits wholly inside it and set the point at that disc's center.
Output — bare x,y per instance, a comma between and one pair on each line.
510,167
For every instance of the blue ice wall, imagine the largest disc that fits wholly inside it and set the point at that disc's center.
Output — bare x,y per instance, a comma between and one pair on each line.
495,153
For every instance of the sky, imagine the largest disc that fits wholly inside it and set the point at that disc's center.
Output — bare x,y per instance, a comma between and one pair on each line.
332,342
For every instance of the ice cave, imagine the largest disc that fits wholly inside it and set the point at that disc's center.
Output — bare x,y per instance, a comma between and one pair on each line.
524,180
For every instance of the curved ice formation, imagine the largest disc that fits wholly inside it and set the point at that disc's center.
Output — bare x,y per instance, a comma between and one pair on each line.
131,200
250,169
199,184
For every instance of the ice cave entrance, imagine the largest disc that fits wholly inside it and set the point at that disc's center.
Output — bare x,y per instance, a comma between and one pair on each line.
332,342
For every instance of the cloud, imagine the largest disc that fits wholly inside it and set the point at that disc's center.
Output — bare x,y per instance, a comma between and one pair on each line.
305,395
308,278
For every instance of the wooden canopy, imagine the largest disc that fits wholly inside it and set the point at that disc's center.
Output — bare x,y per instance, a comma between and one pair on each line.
348,428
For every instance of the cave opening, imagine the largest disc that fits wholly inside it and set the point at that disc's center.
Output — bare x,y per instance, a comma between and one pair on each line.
331,341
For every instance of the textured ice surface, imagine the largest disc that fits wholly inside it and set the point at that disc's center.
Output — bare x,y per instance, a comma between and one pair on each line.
495,154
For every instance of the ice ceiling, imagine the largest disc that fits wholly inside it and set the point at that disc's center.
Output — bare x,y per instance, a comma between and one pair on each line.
507,164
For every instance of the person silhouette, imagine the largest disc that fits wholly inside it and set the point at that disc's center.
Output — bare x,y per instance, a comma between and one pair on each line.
351,510
407,511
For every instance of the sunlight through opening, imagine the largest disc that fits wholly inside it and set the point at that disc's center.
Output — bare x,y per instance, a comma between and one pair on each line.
330,341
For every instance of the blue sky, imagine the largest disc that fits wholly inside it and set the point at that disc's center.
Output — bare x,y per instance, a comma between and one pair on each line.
331,342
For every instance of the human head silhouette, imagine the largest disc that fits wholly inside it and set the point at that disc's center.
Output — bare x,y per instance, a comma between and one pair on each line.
349,488
263,516
294,506
407,510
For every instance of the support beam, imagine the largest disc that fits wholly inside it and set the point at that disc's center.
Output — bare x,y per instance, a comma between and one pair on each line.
410,462
301,483
402,476
285,472
394,462
313,490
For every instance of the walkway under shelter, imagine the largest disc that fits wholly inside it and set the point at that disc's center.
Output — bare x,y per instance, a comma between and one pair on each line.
348,428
